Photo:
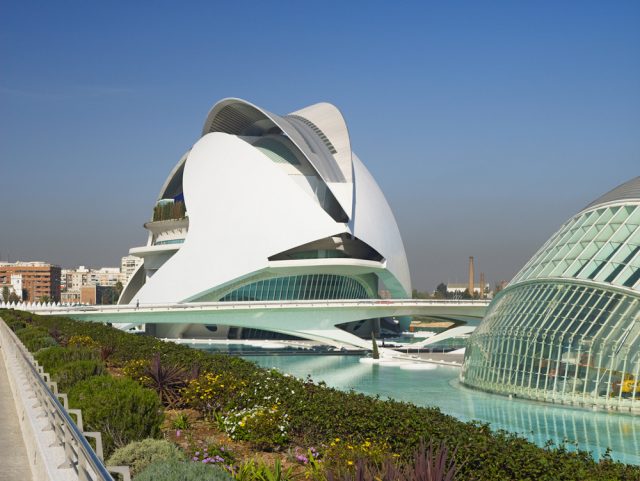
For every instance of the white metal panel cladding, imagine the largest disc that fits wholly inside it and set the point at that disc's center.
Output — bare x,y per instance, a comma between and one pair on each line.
245,204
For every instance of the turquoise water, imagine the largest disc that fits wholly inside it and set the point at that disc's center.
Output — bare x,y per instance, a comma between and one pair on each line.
592,430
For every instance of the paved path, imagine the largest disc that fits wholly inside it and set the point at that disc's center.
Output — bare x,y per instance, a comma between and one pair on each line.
14,464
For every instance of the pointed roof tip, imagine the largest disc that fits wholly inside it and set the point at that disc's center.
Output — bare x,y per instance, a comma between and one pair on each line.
321,125
328,122
629,190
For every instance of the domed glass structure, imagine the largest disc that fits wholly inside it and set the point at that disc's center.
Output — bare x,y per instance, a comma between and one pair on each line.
567,328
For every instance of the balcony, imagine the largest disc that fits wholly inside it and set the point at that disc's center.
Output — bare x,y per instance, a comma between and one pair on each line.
168,209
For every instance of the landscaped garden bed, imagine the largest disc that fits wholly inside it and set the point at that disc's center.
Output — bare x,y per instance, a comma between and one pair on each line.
238,419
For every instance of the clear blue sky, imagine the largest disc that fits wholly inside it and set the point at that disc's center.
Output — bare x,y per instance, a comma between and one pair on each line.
487,124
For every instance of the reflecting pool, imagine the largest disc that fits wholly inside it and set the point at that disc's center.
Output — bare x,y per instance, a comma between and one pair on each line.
438,386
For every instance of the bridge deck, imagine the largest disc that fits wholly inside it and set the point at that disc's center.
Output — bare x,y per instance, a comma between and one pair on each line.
15,464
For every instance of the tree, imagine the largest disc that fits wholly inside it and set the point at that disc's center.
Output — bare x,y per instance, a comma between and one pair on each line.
374,348
13,297
416,294
441,291
108,295
118,287
44,299
5,293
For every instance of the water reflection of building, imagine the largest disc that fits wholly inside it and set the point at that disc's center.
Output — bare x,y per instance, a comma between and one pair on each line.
567,328
593,431
576,426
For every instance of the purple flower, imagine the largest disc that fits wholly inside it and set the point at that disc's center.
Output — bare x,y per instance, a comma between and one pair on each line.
302,458
195,458
178,433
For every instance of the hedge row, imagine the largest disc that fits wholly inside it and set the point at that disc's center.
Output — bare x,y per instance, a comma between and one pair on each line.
318,416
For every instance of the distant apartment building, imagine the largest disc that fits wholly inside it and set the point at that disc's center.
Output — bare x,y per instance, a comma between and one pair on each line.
128,266
12,291
98,295
70,297
32,281
74,279
97,286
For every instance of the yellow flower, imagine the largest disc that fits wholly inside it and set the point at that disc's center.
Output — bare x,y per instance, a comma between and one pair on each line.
350,463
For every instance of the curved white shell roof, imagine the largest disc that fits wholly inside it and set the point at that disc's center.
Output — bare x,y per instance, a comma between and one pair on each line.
236,116
244,206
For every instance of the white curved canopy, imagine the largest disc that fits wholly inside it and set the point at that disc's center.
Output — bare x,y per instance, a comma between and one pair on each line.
239,117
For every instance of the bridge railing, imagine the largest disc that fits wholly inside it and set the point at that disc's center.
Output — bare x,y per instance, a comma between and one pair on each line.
87,463
52,308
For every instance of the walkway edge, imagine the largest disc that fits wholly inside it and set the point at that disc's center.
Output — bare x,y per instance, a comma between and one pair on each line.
43,459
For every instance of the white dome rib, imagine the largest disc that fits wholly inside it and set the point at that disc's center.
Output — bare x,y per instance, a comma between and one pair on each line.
628,191
328,119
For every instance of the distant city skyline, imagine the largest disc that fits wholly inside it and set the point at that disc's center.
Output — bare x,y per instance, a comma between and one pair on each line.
486,125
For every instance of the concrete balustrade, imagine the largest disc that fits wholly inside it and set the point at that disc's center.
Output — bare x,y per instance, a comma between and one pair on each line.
55,445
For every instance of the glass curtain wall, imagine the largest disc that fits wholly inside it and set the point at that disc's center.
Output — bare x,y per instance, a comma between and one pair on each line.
559,342
567,328
304,287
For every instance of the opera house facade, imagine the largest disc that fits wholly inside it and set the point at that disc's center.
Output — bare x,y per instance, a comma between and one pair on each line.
269,208
567,328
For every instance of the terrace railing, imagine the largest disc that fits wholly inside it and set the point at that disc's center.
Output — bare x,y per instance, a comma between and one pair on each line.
87,463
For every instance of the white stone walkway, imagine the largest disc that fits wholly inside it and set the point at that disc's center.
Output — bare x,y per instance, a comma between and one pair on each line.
14,464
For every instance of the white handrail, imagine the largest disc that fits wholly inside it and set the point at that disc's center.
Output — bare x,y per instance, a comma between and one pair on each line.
79,455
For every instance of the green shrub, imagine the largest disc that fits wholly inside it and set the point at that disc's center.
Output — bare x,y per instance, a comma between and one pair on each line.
36,338
75,371
266,428
119,408
317,415
82,341
37,344
181,422
32,332
16,324
252,471
140,454
54,357
182,471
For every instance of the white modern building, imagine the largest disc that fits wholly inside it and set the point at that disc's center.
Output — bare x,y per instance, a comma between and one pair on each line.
270,208
567,328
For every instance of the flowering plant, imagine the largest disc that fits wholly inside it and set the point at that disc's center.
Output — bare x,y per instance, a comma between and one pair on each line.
213,393
135,369
264,427
212,453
